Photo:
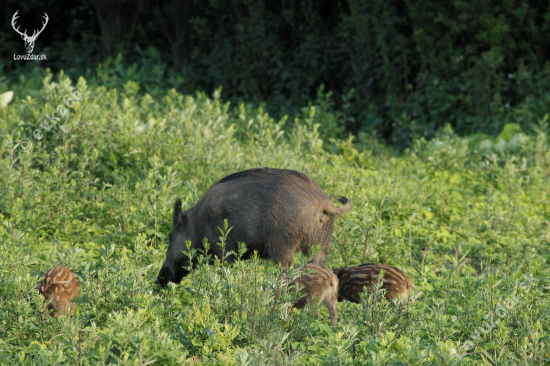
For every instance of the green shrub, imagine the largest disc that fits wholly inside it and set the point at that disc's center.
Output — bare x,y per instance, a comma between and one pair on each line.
403,69
96,191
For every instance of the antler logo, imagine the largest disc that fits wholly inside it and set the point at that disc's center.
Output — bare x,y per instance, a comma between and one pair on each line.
29,41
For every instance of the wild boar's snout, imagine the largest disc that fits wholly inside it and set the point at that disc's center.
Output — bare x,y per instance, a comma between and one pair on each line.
162,278
272,211
167,275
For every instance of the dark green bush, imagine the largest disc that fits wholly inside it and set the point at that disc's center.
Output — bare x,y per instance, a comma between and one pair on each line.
413,66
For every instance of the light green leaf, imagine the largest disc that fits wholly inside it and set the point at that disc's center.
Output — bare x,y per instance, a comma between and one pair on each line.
508,132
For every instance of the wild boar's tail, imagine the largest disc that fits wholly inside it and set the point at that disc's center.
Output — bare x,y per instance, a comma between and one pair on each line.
340,210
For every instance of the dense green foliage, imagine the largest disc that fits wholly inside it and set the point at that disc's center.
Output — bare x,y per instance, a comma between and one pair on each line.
401,68
466,218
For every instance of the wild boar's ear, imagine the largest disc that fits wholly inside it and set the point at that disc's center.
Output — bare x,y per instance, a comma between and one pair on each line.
178,215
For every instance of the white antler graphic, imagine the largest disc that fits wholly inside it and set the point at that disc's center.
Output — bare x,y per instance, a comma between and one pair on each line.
29,41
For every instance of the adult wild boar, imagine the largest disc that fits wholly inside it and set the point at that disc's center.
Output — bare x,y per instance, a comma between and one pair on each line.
273,211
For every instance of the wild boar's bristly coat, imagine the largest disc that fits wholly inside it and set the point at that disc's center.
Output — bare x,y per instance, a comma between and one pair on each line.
354,279
60,285
321,283
273,211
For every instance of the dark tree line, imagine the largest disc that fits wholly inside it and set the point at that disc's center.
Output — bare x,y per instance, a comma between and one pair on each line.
402,68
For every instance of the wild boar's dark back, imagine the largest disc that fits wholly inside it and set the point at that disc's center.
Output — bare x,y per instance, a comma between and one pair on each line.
273,211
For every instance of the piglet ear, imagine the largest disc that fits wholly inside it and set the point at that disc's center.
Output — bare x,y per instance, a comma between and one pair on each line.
178,215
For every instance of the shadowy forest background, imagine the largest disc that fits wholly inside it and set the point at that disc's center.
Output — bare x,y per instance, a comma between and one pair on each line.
400,69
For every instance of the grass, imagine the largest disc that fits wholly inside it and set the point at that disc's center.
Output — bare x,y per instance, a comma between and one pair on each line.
466,218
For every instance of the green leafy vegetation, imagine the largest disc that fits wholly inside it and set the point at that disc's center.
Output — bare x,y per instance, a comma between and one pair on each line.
467,218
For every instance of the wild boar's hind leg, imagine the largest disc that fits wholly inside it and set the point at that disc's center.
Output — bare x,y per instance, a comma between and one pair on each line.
323,240
283,254
331,307
323,236
321,257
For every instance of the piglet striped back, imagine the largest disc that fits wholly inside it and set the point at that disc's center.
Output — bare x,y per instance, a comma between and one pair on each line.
60,285
354,279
